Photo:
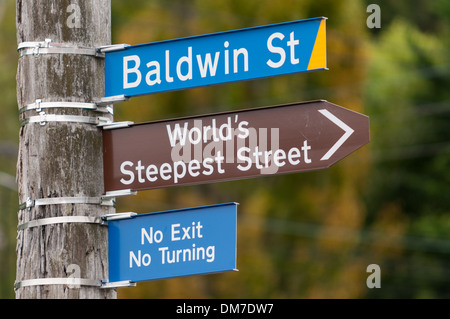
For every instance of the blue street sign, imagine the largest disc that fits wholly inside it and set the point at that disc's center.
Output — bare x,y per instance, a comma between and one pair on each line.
265,51
173,243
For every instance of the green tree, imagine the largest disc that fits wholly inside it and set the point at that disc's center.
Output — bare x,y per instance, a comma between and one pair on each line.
407,97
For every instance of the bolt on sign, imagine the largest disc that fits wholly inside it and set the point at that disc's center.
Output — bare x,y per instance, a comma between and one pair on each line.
238,55
232,145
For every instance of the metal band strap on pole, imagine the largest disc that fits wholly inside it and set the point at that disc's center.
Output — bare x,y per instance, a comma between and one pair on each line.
44,118
102,220
49,47
61,220
104,201
103,106
101,283
58,281
100,121
39,105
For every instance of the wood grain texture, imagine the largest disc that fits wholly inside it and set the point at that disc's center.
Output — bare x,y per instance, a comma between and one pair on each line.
61,159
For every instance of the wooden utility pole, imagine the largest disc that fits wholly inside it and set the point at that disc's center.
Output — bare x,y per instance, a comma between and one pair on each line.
60,167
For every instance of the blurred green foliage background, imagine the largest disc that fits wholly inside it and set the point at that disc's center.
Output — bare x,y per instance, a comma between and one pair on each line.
309,235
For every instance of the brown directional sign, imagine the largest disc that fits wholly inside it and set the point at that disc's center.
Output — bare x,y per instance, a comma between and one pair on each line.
233,145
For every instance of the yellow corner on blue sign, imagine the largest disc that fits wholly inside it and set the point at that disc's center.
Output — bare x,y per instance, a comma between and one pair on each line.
319,57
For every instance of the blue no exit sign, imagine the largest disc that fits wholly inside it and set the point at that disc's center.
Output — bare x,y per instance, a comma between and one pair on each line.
173,243
245,54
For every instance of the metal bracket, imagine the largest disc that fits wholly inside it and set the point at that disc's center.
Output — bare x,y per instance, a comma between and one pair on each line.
67,200
49,47
118,216
119,193
44,118
115,125
118,284
39,105
112,47
112,99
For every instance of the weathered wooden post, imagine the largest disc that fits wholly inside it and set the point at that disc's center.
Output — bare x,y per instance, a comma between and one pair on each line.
61,245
